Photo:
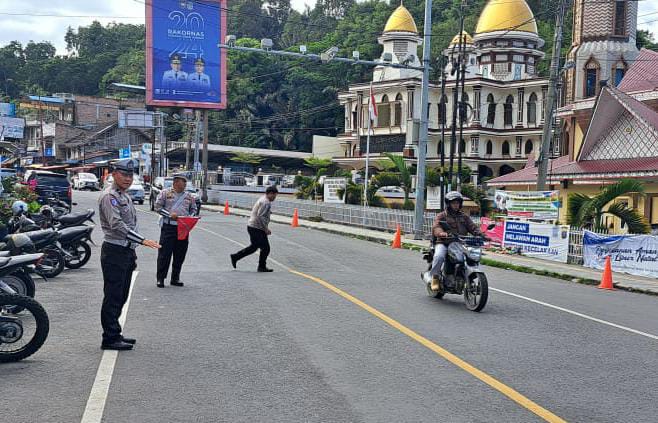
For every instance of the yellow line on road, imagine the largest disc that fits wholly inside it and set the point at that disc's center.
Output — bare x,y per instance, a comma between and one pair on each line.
474,371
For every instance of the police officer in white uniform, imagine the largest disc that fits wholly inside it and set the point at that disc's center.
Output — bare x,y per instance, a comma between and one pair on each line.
199,80
118,218
173,203
174,78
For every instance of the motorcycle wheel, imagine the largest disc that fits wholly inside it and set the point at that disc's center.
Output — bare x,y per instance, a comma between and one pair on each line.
22,284
21,335
81,253
52,263
476,292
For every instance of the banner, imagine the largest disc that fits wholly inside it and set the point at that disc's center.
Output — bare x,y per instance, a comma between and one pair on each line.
184,65
529,204
634,254
539,240
497,234
433,198
331,187
12,127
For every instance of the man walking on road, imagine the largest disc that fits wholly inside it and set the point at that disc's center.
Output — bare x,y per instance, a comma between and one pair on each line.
171,204
118,219
258,228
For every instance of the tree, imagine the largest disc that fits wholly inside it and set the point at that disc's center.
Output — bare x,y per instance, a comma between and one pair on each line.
589,212
247,158
404,173
645,39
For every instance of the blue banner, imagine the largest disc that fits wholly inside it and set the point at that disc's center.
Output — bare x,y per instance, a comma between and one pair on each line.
185,67
634,254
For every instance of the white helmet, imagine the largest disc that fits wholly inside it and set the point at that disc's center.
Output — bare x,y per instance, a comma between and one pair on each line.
454,196
19,207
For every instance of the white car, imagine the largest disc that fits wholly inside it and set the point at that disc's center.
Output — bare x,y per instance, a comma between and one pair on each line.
86,181
136,190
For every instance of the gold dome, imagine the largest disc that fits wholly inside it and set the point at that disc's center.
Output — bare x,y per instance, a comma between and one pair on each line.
401,21
506,15
465,36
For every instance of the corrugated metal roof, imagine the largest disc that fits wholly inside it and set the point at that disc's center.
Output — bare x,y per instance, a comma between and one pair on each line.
642,75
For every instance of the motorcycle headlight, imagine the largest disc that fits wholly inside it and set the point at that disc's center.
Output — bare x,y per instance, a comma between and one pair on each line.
475,254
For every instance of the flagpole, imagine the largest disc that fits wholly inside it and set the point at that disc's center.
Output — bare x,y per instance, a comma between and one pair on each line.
365,186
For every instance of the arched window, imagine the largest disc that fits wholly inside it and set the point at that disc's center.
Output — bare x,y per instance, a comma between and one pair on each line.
532,109
491,110
463,108
439,148
384,113
618,71
397,116
442,110
489,148
591,77
509,102
354,151
505,148
529,146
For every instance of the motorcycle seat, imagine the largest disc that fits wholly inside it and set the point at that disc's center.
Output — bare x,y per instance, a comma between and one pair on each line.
71,218
37,236
72,232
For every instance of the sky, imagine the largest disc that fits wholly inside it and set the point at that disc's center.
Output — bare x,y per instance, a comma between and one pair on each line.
21,21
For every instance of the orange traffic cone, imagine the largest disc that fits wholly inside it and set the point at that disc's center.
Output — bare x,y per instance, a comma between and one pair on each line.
606,280
226,210
295,219
397,239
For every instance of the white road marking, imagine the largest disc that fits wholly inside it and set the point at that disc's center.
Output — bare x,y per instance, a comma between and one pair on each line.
101,387
575,313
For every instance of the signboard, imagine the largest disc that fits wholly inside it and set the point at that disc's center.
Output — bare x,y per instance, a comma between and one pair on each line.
634,254
184,66
11,127
8,109
497,234
529,204
124,153
49,152
331,187
539,240
434,198
136,119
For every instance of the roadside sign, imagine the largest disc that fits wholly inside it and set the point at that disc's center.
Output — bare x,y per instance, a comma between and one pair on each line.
124,153
331,187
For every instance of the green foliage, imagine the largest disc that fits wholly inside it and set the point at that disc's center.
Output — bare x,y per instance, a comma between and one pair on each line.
404,173
479,196
247,158
645,39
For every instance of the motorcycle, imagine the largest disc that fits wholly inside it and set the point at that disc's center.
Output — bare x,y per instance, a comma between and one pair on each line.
15,274
461,273
21,333
43,241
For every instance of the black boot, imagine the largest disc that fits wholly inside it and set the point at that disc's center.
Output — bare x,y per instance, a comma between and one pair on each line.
177,283
117,345
160,284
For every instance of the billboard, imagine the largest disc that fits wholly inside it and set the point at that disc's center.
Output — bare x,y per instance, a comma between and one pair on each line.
184,66
8,109
529,204
539,240
11,127
331,187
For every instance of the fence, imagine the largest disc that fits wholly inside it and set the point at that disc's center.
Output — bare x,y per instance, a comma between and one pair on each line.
369,217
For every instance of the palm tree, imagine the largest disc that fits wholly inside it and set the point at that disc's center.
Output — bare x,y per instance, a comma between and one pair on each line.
588,212
404,173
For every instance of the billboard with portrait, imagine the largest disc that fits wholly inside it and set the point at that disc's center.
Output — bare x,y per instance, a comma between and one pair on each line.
184,66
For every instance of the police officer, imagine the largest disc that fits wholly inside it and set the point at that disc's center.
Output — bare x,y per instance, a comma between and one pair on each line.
199,80
174,78
173,203
118,219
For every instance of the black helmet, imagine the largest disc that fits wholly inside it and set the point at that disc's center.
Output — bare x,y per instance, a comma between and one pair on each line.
454,196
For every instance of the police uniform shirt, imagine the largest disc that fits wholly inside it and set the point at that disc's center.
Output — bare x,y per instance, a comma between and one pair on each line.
199,80
169,201
173,79
118,218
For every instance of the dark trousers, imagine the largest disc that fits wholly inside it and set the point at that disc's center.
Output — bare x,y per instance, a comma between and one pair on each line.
258,240
171,246
118,264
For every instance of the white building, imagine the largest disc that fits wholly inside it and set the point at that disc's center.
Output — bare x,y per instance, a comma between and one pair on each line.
505,96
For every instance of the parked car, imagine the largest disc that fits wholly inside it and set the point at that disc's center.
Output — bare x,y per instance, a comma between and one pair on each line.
161,183
50,185
136,190
391,190
86,181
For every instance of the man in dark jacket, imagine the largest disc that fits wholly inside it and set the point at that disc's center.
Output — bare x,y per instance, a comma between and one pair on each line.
457,224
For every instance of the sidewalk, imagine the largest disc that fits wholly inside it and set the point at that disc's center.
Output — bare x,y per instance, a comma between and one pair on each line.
527,264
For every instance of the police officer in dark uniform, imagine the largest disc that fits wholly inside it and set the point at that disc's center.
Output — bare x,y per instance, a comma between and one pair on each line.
173,203
118,218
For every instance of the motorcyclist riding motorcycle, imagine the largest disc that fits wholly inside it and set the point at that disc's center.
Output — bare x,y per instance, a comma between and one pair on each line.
459,224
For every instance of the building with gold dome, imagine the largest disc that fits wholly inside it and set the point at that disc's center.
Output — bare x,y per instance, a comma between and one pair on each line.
502,89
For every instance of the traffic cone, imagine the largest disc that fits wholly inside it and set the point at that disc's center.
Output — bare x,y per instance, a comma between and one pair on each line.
295,219
226,210
606,280
397,239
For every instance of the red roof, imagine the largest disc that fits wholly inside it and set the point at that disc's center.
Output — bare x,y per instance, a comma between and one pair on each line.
642,75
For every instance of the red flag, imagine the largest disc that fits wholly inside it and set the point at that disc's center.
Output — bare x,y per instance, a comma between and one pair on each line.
185,225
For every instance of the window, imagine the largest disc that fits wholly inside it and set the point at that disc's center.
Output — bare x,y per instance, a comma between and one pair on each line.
509,102
591,78
463,108
505,148
489,148
528,147
491,110
619,71
620,18
354,120
462,147
519,146
439,149
429,108
532,109
384,113
442,110
397,116
475,145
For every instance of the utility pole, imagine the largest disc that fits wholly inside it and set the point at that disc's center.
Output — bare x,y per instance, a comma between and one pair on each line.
204,183
197,135
43,143
444,119
456,67
419,217
547,137
463,111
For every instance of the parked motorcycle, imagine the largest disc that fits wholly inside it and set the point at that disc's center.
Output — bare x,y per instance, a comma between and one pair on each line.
43,241
461,273
75,242
15,273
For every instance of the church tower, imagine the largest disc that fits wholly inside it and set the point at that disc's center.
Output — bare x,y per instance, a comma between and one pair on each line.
603,47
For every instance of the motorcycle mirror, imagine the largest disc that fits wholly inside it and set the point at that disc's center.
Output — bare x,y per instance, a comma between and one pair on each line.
490,226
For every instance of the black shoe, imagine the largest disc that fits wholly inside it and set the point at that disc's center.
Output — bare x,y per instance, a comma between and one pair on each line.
117,346
160,284
234,261
265,270
177,283
131,341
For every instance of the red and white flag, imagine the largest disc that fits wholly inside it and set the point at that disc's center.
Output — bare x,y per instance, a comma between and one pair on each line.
372,108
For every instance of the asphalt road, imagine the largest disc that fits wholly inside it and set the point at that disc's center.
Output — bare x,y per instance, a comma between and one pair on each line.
342,331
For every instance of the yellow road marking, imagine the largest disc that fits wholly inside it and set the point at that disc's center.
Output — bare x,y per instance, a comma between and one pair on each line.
474,371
